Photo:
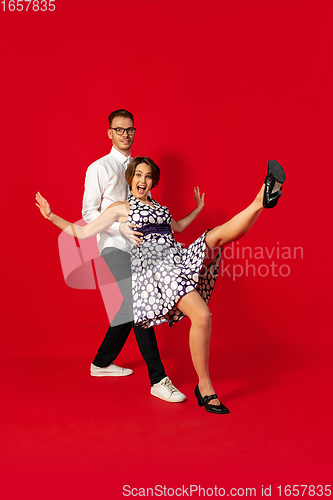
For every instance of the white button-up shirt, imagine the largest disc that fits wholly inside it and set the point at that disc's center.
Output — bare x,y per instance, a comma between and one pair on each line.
105,184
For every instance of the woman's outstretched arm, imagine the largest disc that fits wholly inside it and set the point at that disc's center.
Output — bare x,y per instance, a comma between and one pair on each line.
179,226
108,217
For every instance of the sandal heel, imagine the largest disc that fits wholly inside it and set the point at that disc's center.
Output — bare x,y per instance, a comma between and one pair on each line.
204,401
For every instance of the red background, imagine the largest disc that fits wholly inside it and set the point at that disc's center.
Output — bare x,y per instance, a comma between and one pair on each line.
217,88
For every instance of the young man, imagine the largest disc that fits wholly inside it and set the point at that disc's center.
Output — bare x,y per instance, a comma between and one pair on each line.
105,184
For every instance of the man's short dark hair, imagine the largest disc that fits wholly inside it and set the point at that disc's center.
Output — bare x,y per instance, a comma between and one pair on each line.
120,112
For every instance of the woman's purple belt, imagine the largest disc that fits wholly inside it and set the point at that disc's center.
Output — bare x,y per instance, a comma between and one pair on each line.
155,228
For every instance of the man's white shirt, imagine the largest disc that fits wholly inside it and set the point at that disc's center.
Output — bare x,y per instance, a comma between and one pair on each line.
105,184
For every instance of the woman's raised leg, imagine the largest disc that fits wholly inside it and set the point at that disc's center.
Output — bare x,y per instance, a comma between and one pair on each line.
236,227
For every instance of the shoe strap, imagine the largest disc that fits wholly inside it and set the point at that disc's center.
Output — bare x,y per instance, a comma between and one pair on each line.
206,399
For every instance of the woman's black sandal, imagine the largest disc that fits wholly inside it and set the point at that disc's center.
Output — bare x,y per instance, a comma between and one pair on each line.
204,401
275,177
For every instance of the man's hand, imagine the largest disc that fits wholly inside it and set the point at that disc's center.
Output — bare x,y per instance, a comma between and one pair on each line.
200,200
128,230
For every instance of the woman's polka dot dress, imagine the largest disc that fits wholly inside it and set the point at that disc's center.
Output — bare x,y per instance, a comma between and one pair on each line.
162,270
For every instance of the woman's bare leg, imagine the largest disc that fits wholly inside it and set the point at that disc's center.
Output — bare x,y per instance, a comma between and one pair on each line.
197,310
236,227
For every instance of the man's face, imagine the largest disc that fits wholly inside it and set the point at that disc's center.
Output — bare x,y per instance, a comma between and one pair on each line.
121,143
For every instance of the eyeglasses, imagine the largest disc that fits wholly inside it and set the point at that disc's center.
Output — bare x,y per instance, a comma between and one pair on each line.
120,130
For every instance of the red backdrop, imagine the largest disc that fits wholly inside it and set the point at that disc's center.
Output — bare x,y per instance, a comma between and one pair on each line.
217,88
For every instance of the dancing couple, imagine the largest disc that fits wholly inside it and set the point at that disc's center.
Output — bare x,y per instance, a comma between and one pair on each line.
168,282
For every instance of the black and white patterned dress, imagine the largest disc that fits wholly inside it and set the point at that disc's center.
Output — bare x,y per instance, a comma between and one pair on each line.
162,270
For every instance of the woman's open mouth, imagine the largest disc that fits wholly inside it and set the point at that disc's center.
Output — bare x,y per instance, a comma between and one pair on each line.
141,189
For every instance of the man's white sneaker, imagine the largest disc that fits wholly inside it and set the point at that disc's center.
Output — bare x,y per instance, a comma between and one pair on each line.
109,371
167,391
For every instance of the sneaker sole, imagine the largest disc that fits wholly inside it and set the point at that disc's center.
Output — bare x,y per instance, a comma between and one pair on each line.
110,374
169,400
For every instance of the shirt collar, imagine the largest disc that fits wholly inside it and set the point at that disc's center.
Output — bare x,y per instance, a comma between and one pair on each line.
120,157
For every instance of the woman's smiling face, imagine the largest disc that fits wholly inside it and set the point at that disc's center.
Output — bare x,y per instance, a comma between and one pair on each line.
142,181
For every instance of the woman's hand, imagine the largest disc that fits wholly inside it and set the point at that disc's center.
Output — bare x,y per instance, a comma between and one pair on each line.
200,200
180,225
43,206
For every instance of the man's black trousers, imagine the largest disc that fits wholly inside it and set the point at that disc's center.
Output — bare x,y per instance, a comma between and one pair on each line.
119,263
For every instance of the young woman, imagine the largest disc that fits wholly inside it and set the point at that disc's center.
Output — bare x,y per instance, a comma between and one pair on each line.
168,281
